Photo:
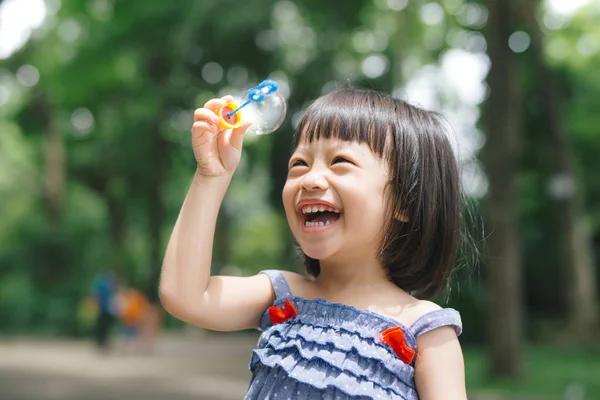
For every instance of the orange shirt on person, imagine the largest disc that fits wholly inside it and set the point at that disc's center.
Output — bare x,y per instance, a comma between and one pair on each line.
133,307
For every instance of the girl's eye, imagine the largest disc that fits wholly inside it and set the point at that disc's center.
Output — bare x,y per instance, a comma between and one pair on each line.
340,159
298,163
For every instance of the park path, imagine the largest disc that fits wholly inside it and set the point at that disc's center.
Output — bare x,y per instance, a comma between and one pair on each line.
192,366
183,367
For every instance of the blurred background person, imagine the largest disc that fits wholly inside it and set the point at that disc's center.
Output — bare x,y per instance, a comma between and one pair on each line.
104,292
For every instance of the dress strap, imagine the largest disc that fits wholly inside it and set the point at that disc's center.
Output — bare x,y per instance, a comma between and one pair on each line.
436,319
280,285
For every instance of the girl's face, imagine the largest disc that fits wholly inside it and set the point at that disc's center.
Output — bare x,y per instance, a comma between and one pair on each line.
334,198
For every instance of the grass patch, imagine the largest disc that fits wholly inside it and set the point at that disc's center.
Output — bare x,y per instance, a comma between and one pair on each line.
550,373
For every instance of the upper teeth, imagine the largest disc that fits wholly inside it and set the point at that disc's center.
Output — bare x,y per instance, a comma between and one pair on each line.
319,208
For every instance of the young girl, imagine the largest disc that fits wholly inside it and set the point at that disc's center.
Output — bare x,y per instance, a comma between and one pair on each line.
372,197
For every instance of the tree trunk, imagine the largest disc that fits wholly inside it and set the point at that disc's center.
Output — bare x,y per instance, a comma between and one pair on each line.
159,70
500,159
54,163
159,153
117,221
582,298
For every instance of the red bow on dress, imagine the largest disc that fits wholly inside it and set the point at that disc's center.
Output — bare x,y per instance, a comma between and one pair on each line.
394,337
279,315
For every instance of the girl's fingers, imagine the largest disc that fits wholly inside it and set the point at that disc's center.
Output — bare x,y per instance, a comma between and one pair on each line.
227,99
236,136
205,114
214,104
204,126
206,119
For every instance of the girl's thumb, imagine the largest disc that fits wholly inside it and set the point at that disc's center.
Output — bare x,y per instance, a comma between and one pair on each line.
237,135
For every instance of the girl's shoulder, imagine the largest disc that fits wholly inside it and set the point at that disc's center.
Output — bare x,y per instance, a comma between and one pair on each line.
299,284
421,316
294,278
412,311
285,283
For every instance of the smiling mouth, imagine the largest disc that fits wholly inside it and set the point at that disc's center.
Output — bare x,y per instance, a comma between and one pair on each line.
318,217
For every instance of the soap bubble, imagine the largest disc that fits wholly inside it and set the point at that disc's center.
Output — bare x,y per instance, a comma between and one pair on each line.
266,115
261,105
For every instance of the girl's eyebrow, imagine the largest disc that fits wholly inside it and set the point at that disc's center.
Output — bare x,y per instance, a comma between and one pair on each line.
300,148
349,147
298,152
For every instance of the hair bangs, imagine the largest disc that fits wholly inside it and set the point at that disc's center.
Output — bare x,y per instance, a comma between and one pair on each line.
351,115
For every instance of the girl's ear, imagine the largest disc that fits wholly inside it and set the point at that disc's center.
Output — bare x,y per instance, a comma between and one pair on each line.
402,216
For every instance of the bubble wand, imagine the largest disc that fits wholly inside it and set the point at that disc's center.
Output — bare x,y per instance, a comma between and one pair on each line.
266,112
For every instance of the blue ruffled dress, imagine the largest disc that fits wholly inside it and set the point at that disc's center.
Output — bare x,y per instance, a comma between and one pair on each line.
333,351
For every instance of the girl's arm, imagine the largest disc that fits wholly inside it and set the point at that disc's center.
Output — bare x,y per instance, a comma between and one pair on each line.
187,291
439,369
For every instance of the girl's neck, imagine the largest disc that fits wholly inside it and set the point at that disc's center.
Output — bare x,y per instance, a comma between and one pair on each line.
350,276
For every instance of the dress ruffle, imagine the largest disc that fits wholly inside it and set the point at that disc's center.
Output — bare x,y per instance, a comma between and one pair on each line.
275,383
332,350
351,374
337,348
322,313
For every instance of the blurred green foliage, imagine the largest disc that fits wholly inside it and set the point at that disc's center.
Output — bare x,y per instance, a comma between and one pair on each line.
95,157
553,373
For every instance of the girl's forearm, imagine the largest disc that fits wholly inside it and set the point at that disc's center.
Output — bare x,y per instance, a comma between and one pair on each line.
186,267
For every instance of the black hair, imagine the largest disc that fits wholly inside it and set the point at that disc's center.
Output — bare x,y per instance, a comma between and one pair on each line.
419,253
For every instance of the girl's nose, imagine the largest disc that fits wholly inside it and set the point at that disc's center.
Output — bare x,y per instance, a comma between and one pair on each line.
314,180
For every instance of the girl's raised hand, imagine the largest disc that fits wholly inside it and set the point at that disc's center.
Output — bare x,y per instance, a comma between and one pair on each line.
217,150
